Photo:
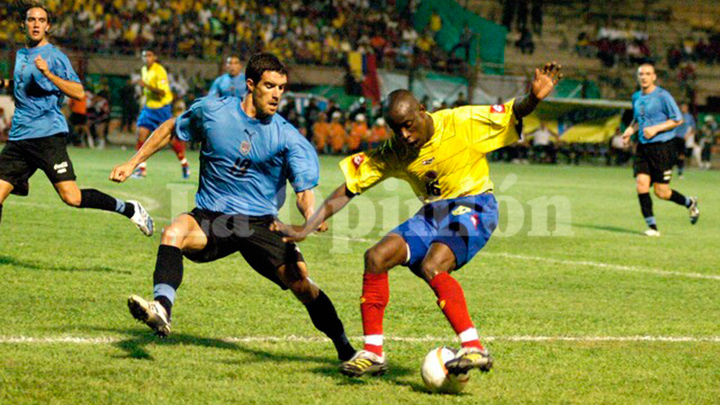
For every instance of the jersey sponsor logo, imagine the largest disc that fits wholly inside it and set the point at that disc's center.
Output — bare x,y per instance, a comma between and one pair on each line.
358,159
428,161
245,147
461,210
61,168
498,108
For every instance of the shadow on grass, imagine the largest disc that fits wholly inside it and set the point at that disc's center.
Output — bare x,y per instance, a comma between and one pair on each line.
608,228
39,266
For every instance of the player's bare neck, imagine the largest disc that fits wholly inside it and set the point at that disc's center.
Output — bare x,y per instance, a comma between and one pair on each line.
649,89
36,44
248,106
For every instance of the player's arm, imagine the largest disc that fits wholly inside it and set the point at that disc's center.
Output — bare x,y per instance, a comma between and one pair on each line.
157,141
71,89
306,206
653,130
155,90
542,85
337,200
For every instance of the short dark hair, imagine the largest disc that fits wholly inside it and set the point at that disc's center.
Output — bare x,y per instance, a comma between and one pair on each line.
23,6
261,63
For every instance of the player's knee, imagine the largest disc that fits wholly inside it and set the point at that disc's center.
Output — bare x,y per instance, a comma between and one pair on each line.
376,261
172,236
662,192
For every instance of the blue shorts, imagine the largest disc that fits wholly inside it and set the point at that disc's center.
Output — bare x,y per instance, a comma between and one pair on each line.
463,224
151,118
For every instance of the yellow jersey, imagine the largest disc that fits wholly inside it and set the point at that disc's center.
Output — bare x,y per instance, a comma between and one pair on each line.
157,78
450,164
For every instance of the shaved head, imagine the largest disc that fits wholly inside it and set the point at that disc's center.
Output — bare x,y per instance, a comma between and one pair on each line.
407,118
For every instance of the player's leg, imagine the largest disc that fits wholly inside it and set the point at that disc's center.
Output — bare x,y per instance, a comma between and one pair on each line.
680,160
73,196
143,134
663,190
5,190
319,306
642,185
184,234
178,147
390,252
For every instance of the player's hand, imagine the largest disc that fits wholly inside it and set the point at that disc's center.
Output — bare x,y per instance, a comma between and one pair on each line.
626,135
546,79
41,65
649,132
323,227
122,172
293,233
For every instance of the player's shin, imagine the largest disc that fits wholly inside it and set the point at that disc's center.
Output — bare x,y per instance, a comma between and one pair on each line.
451,300
168,275
680,199
375,297
91,198
325,318
647,210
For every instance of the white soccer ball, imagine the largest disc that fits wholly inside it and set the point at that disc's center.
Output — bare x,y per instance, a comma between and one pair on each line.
436,376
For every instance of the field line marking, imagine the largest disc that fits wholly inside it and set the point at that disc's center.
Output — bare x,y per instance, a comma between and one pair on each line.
588,263
421,339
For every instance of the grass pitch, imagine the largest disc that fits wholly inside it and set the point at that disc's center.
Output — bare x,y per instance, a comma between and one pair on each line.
576,305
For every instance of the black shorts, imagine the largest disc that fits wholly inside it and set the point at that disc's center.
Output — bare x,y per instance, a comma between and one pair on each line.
78,119
656,160
262,249
20,159
679,146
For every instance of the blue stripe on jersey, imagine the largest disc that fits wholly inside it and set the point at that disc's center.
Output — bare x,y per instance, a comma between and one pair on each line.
37,99
245,163
652,109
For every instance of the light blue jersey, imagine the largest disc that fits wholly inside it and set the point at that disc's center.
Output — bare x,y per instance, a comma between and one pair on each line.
245,163
652,109
688,122
37,99
227,85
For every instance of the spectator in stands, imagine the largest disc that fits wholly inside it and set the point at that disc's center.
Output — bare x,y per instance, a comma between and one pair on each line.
708,133
337,134
78,122
99,118
461,100
378,134
358,134
542,146
583,46
525,43
321,133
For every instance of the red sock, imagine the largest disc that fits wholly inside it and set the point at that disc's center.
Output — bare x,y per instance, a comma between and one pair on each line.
451,301
179,147
375,297
139,145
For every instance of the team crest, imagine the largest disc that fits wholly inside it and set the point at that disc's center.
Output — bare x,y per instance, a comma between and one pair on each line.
358,159
245,147
498,108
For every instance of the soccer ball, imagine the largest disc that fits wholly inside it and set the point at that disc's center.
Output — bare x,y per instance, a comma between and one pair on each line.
436,376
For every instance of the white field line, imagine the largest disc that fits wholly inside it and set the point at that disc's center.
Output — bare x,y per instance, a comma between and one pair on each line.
423,339
617,267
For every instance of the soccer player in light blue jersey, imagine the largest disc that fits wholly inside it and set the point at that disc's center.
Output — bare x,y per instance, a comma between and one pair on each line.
248,155
43,77
231,83
656,117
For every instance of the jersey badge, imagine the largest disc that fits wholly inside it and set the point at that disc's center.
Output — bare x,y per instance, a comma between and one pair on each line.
245,147
358,159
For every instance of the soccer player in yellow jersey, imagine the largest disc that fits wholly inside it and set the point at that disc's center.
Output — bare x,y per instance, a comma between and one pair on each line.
157,109
442,156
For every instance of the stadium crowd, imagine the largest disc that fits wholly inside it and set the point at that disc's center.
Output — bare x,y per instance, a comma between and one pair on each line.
311,32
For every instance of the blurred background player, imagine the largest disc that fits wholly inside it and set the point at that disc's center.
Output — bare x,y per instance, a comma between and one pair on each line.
443,157
43,77
707,139
683,133
249,153
232,83
157,109
656,116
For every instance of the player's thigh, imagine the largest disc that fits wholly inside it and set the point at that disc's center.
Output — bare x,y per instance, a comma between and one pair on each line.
185,233
440,258
5,189
662,190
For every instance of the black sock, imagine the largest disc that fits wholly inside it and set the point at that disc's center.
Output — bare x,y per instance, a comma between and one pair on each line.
679,199
91,198
647,210
168,275
681,166
324,317
0,212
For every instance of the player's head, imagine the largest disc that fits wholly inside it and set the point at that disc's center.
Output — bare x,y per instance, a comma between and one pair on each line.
36,19
233,65
266,78
646,75
149,57
407,118
685,108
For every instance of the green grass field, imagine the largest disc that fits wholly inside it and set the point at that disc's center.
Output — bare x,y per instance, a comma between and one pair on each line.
577,306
